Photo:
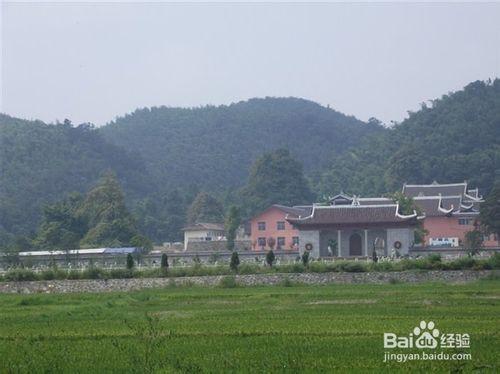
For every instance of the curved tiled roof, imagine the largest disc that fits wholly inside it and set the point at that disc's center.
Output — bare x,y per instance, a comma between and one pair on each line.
295,211
352,214
435,189
375,201
430,205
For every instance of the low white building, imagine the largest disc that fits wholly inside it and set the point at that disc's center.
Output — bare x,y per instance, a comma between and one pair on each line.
203,232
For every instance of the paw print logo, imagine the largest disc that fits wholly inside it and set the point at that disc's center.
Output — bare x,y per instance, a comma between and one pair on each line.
426,335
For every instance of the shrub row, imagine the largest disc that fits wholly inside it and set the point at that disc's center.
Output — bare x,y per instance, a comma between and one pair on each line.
428,263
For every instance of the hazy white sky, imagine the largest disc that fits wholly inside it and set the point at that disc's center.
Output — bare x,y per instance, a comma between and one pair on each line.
92,62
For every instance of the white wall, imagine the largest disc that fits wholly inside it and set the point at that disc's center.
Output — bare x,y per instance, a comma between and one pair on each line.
312,237
405,236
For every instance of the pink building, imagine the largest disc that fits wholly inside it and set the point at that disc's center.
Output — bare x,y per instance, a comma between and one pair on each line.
271,225
451,210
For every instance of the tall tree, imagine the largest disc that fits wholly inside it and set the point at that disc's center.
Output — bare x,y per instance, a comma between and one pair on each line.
276,178
98,219
162,216
107,217
62,226
39,163
233,221
205,208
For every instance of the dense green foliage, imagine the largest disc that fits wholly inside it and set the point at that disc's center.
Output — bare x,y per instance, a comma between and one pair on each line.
40,163
163,157
231,224
164,262
305,258
130,262
473,241
454,139
235,261
213,147
490,211
162,216
205,208
63,225
276,178
303,265
270,258
235,329
100,219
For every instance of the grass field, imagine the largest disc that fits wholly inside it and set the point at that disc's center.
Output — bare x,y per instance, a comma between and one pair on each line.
254,329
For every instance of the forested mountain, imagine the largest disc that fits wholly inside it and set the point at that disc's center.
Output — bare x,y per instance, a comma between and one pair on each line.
163,157
454,139
213,147
40,163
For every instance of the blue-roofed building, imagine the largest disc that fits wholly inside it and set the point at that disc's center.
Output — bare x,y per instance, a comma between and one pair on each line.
122,250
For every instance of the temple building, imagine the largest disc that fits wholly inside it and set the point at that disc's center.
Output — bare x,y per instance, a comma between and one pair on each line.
451,210
350,226
346,228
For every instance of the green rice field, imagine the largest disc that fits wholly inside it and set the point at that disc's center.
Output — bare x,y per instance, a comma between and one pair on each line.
289,328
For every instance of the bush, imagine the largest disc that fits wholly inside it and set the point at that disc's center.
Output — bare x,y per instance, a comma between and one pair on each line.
53,273
164,262
20,275
249,269
235,261
382,266
74,274
130,261
196,270
421,264
494,261
319,267
270,257
462,263
434,258
228,282
150,273
354,267
121,273
93,273
297,268
305,258
178,272
47,275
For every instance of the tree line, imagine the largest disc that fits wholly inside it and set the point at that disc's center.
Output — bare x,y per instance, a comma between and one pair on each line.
50,172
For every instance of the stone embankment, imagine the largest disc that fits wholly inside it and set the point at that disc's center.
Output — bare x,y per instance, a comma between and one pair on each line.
117,285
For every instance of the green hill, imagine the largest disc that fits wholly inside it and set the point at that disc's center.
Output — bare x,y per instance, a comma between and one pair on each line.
40,163
163,156
214,147
456,138
156,152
